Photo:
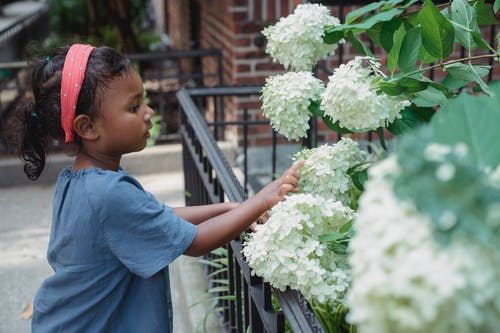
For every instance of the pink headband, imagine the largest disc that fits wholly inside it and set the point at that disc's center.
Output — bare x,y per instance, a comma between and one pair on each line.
72,78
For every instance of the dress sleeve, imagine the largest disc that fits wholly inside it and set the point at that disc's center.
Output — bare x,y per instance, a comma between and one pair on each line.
143,233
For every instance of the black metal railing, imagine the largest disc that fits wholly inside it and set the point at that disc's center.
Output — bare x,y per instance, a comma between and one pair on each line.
209,178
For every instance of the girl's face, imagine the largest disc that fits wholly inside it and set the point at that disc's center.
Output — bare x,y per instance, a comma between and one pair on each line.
123,120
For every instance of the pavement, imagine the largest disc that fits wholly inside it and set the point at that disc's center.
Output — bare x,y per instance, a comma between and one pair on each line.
25,217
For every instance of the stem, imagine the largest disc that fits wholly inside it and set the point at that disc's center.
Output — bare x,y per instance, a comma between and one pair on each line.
442,64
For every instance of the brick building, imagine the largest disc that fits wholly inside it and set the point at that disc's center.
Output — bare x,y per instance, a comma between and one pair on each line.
234,26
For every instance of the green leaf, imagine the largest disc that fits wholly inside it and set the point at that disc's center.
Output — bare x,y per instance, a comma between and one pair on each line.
376,18
359,179
392,60
332,37
429,97
387,30
331,237
465,72
485,14
315,108
437,32
381,137
478,79
355,14
374,33
403,85
391,88
478,39
410,48
357,44
410,119
412,85
464,21
473,120
335,126
424,56
496,6
346,226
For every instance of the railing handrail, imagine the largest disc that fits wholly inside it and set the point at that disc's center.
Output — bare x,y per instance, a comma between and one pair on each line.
290,300
228,179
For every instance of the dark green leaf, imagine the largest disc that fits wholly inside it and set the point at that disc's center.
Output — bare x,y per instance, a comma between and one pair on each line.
478,39
409,120
485,14
387,30
464,19
437,32
359,178
381,137
332,37
403,85
358,45
425,57
410,49
411,85
392,60
335,126
315,108
391,88
374,33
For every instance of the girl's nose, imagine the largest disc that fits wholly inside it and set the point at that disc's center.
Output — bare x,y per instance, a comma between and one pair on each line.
149,113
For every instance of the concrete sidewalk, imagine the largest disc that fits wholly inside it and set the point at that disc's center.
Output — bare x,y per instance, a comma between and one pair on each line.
25,217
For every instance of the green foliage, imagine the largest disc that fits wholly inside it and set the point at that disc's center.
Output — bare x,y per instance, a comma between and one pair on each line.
413,38
94,23
468,125
333,317
474,121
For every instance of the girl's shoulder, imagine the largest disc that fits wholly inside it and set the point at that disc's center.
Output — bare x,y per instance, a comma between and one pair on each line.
98,180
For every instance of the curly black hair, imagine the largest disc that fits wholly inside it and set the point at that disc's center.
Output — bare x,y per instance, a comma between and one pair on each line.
39,113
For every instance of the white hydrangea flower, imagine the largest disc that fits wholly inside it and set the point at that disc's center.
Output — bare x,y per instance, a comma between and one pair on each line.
288,250
296,41
286,99
404,281
351,99
325,169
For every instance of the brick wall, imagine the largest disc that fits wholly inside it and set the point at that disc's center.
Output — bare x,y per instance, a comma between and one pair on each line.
234,26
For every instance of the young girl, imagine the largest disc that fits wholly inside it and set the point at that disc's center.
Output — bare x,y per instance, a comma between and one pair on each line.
111,241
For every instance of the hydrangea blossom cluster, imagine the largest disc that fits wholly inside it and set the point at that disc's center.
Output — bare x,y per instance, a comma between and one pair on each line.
285,102
325,169
351,97
302,31
405,281
288,250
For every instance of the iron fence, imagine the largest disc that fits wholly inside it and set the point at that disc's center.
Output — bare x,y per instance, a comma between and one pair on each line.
209,178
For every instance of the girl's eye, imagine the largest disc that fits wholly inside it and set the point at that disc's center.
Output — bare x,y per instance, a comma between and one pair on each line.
135,107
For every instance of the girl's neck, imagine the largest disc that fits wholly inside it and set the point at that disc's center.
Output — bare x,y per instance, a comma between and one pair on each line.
85,160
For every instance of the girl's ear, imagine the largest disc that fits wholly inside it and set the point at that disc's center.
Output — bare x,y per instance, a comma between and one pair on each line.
84,127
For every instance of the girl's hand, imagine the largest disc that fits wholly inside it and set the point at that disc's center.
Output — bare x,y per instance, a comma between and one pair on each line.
261,220
276,191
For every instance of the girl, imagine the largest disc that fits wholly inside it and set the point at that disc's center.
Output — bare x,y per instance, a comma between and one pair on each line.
111,241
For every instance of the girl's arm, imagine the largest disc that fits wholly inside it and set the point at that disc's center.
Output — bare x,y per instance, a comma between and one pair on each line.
198,214
220,230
